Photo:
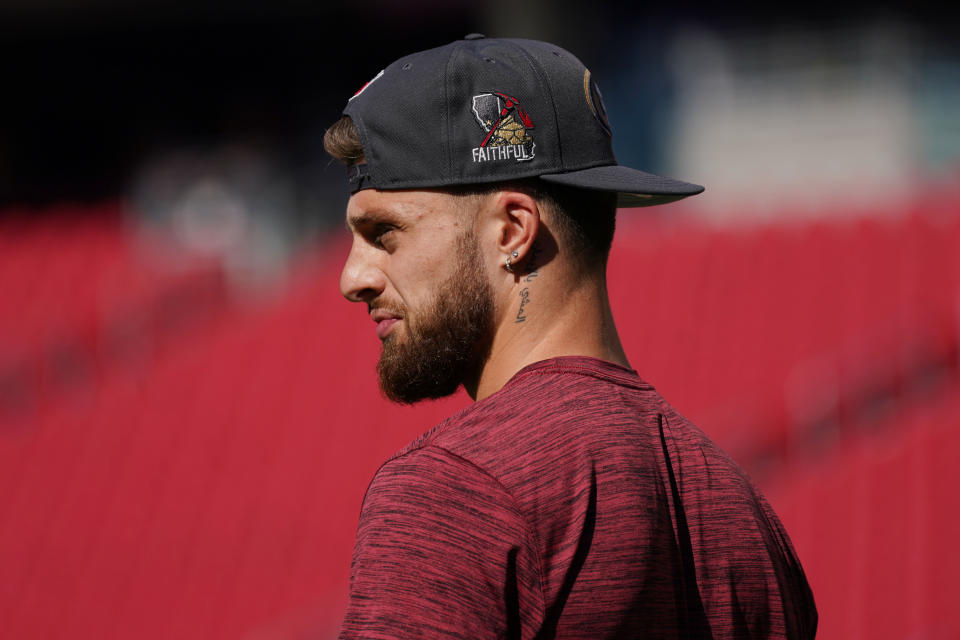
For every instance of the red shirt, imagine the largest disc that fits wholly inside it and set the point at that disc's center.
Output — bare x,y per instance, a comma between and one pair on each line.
573,503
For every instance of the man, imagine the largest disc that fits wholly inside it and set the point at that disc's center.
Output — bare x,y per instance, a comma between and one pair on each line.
570,500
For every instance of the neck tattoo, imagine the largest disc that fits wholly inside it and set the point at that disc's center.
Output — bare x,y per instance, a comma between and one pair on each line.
525,292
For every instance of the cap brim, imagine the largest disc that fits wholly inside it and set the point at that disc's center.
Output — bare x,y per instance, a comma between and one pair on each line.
634,188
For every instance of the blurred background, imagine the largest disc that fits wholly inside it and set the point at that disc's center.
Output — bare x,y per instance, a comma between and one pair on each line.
188,410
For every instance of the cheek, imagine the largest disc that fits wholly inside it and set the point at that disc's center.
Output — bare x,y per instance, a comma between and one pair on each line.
424,266
416,280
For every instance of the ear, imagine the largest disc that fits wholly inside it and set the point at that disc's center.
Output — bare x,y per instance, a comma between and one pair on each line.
516,222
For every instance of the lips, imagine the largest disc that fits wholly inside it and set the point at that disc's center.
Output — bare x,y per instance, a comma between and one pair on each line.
384,327
385,321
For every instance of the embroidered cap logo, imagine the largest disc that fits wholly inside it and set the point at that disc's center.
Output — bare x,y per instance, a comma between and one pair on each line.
507,127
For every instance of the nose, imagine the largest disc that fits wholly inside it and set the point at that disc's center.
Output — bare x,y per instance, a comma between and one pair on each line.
361,279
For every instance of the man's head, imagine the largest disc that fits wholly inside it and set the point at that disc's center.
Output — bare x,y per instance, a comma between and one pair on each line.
472,166
429,264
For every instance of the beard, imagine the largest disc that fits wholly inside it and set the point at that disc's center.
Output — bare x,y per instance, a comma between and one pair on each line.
448,341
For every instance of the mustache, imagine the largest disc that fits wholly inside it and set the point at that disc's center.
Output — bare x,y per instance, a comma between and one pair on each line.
395,309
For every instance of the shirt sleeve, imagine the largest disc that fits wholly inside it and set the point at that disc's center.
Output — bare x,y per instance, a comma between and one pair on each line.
441,551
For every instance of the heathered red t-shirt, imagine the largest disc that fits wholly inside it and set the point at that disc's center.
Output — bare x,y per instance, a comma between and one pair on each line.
573,503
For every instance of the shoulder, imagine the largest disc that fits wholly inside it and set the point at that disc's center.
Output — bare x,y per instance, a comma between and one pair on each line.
429,487
441,551
429,465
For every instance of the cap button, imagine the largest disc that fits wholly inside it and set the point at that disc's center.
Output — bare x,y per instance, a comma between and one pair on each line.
474,36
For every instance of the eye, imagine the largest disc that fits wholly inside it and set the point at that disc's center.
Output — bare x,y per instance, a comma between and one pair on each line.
383,235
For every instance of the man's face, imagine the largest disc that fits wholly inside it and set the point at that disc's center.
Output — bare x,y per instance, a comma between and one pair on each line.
416,263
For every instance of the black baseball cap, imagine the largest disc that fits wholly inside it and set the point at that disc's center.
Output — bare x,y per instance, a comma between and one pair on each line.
485,110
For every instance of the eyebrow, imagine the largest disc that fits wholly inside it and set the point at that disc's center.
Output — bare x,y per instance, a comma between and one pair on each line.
369,218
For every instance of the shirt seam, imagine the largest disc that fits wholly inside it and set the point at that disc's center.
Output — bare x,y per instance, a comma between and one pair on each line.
529,530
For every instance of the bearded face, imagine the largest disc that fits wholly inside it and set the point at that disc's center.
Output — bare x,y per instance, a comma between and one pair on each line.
447,340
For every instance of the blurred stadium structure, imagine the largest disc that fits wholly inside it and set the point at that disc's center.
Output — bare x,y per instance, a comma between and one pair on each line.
829,121
188,410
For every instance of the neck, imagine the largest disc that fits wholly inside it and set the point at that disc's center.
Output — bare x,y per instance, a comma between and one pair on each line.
544,317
